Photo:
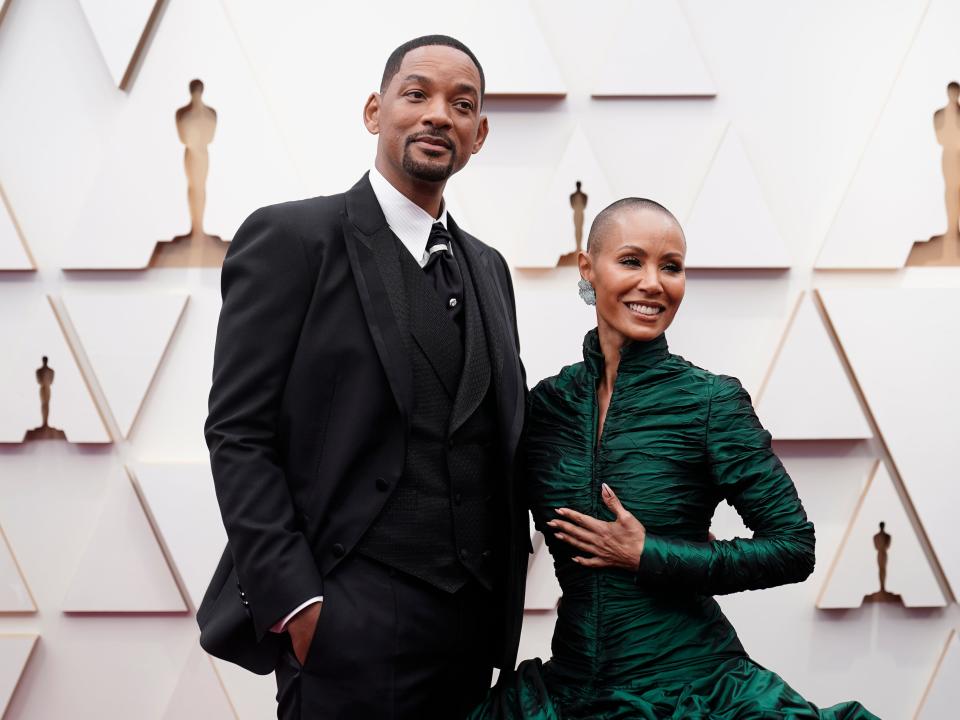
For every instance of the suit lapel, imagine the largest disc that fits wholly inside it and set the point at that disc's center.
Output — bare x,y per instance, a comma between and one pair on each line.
371,251
498,333
475,378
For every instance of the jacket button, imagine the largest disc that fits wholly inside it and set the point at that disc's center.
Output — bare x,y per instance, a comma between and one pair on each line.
464,554
338,550
383,484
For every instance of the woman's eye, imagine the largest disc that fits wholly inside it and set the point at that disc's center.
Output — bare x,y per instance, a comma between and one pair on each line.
632,261
673,268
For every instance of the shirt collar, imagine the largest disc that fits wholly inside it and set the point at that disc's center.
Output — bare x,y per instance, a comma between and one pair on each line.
409,222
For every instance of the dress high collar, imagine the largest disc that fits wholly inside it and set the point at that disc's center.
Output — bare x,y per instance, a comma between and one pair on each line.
635,356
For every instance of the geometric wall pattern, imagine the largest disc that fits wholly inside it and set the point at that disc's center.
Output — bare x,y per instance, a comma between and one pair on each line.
125,349
118,28
287,126
121,220
199,692
15,652
13,250
902,344
943,693
180,501
31,331
854,572
730,225
122,569
896,196
15,596
653,54
808,377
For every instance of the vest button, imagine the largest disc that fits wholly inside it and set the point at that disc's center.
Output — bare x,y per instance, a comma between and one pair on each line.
486,554
464,554
383,484
338,550
457,499
450,443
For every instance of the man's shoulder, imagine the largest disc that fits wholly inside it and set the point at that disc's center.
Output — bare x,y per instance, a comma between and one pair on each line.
308,212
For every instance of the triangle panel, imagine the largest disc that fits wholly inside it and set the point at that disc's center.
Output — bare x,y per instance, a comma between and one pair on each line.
31,332
902,345
118,28
180,500
551,233
15,652
655,55
855,573
730,225
125,347
13,249
122,569
15,595
139,195
199,692
942,697
896,196
808,395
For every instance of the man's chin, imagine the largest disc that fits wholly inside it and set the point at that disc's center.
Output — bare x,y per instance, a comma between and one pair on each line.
427,172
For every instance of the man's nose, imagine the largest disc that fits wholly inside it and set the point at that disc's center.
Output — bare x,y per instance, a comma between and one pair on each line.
437,113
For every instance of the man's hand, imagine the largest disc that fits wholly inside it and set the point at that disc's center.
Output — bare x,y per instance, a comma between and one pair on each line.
612,544
301,629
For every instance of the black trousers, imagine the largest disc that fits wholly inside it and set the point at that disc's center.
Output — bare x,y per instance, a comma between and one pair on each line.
390,647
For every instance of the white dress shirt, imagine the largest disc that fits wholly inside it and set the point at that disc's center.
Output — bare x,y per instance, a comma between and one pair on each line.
412,224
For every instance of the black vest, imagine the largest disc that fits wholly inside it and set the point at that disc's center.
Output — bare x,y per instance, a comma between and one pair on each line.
438,524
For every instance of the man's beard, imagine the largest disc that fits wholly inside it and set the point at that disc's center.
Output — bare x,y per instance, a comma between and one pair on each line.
428,172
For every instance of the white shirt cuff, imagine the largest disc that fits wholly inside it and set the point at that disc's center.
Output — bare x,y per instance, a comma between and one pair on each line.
281,625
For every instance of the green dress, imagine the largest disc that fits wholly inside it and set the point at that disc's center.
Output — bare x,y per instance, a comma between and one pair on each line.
676,441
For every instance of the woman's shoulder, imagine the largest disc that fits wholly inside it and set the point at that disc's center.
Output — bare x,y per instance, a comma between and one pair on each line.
565,387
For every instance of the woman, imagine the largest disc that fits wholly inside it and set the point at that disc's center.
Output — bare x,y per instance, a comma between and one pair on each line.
629,453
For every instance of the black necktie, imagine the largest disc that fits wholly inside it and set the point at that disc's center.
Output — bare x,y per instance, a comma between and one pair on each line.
444,273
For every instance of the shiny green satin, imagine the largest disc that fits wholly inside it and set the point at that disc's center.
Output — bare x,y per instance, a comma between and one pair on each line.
677,440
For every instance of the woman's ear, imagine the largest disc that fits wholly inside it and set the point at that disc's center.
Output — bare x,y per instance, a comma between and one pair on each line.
586,266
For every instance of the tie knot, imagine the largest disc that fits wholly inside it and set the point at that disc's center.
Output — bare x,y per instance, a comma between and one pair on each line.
439,239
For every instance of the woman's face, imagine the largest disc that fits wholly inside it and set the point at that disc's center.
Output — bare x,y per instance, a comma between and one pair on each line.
638,273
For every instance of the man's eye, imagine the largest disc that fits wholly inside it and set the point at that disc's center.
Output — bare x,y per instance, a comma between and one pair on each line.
416,94
464,105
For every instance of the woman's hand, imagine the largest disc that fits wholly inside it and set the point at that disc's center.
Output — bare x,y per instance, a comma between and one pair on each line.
612,544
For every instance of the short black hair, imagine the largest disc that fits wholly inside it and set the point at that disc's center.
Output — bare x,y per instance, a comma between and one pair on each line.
396,57
603,219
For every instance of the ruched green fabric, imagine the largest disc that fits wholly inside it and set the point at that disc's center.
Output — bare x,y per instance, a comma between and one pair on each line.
676,441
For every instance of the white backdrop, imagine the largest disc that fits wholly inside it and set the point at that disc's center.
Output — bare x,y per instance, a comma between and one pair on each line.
764,125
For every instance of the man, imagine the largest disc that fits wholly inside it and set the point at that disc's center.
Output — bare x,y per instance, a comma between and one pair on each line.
366,408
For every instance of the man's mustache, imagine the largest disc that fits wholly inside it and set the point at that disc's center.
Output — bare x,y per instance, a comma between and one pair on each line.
435,134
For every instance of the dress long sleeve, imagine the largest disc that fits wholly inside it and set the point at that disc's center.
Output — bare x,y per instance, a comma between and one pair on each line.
753,480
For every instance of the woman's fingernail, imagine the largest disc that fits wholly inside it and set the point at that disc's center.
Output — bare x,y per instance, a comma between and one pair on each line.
606,489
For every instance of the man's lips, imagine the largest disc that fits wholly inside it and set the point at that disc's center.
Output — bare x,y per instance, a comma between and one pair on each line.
433,141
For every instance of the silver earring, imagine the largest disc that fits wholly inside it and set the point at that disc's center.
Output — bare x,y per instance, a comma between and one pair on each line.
587,293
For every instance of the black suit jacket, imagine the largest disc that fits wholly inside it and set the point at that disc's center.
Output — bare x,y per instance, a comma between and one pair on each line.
309,411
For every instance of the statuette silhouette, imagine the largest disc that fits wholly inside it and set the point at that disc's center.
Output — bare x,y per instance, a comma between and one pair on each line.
945,249
882,542
45,376
578,201
196,126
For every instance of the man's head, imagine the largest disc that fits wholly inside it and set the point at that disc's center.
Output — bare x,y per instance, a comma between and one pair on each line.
634,260
427,113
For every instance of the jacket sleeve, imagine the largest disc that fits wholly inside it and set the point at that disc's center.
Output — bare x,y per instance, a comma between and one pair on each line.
266,284
753,480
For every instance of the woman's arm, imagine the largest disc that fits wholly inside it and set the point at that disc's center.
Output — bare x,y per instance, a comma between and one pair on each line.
754,481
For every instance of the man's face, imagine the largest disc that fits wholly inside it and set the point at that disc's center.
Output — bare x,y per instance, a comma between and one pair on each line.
428,118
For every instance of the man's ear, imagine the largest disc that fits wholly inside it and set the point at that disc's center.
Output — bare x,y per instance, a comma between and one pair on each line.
482,132
371,114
